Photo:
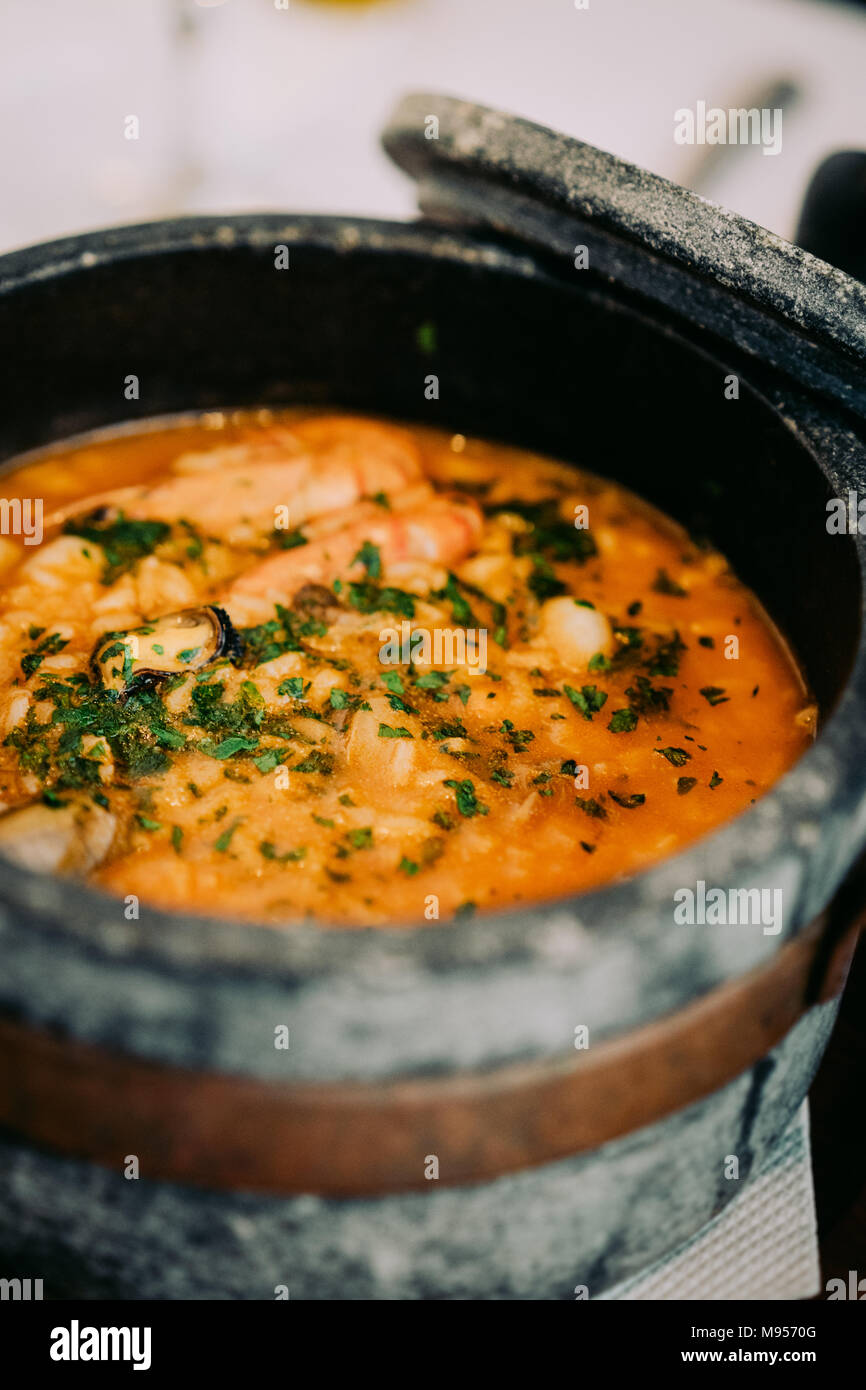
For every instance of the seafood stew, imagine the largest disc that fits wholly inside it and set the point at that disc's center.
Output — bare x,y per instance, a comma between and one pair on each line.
291,665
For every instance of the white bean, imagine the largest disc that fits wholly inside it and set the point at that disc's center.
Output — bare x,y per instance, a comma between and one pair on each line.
575,632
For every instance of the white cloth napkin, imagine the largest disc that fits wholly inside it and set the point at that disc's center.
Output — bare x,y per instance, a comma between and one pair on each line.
764,1245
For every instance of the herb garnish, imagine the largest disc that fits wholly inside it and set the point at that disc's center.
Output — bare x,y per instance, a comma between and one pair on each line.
714,694
549,534
225,838
622,721
316,761
49,646
467,802
124,542
677,757
663,584
629,802
368,597
268,851
665,661
518,738
295,686
648,699
461,610
290,540
589,699
369,556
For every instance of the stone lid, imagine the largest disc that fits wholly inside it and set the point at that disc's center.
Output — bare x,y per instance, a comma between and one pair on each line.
699,264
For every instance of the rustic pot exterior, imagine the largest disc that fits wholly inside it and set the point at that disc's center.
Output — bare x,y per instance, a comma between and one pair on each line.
592,1220
197,310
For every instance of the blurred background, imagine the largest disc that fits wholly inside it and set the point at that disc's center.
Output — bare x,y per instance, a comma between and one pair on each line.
277,104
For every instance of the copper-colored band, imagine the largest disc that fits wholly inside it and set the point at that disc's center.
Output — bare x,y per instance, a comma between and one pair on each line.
346,1139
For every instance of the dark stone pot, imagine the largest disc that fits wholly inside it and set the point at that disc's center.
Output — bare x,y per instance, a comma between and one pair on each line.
307,1167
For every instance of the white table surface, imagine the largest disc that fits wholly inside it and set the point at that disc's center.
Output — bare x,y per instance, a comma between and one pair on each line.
244,106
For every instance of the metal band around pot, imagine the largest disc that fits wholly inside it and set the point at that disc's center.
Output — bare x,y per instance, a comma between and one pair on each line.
231,1132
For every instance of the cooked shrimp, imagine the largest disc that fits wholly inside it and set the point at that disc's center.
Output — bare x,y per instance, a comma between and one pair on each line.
411,499
350,437
272,445
333,438
444,532
244,501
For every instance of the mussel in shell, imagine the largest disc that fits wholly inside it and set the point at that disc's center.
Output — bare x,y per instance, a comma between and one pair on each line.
178,642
